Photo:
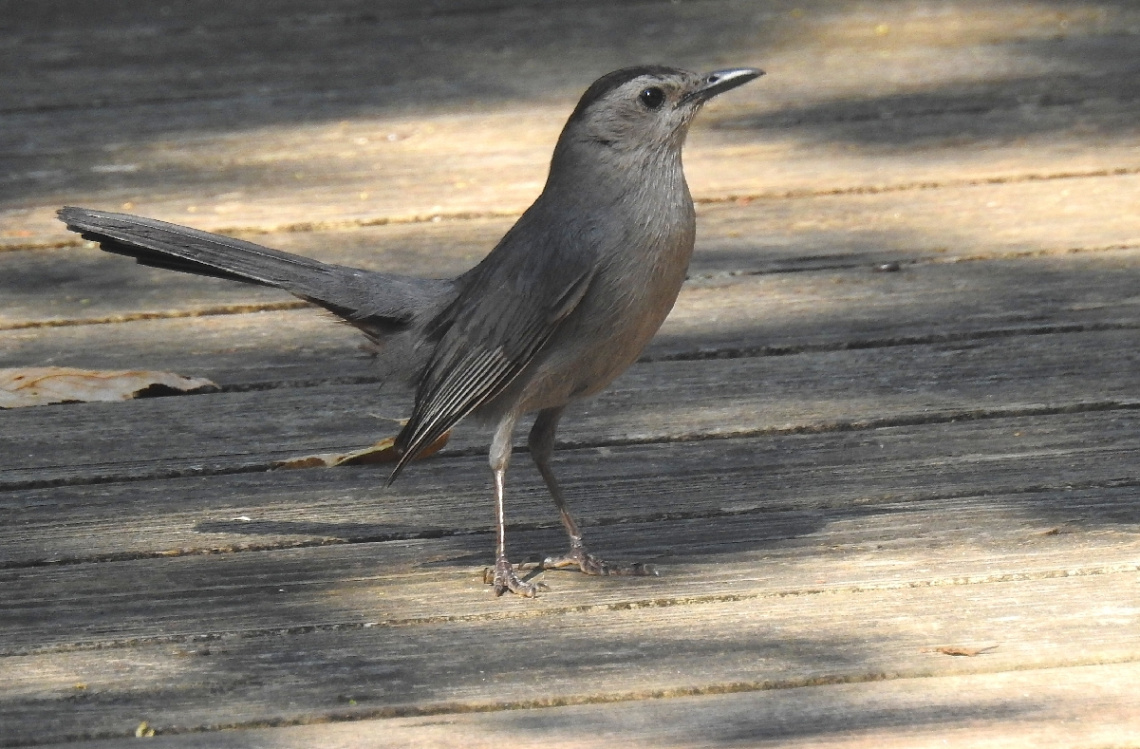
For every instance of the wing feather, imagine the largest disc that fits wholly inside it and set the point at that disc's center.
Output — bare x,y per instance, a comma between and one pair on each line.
509,308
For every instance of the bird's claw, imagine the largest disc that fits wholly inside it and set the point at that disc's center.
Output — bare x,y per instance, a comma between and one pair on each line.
504,578
592,565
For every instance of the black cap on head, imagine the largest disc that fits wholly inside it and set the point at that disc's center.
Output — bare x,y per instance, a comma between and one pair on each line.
610,81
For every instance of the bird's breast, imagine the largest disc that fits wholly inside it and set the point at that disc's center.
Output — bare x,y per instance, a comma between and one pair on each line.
639,276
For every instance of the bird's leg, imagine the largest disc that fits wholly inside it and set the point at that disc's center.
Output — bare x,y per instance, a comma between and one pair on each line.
504,577
541,449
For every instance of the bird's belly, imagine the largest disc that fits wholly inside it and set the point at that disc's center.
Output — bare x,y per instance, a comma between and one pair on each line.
597,343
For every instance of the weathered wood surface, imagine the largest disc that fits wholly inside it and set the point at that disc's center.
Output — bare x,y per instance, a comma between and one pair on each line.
171,516
1089,706
576,655
722,315
849,232
906,508
838,469
315,103
684,400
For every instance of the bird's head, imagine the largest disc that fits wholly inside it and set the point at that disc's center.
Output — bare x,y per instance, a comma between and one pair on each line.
647,107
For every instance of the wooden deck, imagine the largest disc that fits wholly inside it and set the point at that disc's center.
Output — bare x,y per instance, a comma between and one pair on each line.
885,452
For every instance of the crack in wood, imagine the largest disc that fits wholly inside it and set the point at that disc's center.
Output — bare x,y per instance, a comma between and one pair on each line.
874,343
225,309
924,185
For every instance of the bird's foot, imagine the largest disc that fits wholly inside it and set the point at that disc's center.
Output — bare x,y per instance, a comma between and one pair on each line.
504,578
592,565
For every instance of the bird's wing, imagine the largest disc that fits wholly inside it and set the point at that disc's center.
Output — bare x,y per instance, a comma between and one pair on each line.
510,306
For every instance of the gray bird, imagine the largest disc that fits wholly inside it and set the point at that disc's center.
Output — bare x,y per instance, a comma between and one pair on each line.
564,303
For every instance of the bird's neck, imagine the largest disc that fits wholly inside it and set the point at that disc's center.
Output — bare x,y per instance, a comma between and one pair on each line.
593,173
634,210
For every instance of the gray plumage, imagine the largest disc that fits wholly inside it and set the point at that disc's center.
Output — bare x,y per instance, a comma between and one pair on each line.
562,305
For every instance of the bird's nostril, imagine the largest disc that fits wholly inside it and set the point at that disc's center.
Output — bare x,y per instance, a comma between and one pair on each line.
713,78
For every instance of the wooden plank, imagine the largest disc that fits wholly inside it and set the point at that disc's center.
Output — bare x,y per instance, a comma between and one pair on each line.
831,232
721,315
216,191
992,538
773,313
847,102
362,45
570,657
947,224
782,313
1086,707
878,49
932,543
800,475
669,400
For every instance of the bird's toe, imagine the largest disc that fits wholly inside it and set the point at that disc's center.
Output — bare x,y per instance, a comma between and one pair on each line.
505,579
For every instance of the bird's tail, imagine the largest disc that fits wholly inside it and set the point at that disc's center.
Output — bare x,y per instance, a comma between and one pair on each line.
164,245
380,304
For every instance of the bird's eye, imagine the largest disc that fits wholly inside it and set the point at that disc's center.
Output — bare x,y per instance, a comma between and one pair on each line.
652,97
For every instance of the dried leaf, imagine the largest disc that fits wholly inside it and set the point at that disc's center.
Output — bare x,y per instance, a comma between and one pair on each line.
38,386
963,651
308,461
383,451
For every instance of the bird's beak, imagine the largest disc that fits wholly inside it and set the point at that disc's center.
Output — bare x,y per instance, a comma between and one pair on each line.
719,81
